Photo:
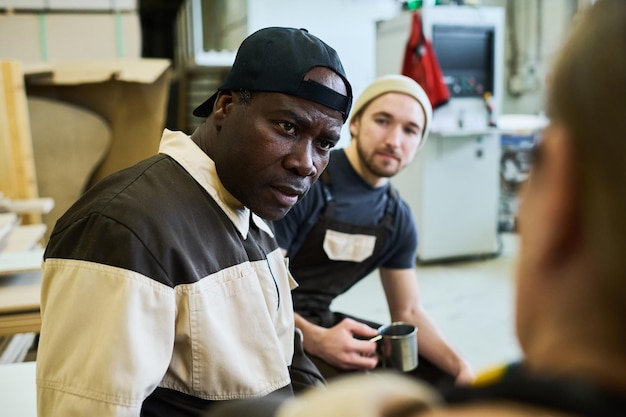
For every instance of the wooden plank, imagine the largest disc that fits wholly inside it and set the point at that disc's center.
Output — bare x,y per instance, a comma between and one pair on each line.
7,173
19,320
18,179
19,262
31,205
20,323
20,293
8,221
24,238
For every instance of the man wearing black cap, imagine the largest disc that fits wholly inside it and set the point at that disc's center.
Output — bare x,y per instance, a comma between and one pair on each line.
165,278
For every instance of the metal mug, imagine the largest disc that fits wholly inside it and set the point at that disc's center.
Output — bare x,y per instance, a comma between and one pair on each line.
398,346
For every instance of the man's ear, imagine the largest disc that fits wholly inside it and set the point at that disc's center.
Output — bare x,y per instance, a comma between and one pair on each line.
355,123
222,105
561,179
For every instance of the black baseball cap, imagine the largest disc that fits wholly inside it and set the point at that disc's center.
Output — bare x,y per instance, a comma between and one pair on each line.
276,59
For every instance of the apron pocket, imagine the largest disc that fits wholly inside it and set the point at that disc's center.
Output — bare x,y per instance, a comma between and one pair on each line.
348,247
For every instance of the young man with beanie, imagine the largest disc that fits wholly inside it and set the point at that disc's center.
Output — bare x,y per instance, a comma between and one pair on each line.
353,222
164,290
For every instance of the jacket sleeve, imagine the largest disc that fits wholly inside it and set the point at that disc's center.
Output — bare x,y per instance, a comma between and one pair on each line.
106,340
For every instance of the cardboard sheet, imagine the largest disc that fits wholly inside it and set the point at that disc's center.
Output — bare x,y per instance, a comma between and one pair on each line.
130,94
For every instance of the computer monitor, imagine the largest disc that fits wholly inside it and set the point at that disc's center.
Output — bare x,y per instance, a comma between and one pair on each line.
465,54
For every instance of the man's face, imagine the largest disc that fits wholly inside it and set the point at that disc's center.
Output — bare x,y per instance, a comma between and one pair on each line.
272,149
388,133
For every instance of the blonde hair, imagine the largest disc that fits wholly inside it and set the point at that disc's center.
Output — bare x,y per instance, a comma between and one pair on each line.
588,95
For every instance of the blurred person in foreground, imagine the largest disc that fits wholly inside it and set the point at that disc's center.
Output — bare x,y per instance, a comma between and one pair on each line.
164,290
571,273
354,222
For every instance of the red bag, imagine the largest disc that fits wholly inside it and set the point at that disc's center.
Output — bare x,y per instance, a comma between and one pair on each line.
420,63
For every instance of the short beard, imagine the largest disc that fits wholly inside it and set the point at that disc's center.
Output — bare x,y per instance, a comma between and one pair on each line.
369,165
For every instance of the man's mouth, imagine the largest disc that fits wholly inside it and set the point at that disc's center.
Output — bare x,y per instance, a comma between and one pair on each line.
389,156
287,195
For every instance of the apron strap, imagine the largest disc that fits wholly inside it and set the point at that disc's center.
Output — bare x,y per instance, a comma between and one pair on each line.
390,209
329,209
326,181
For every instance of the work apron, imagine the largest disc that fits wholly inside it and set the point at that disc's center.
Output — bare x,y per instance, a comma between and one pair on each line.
335,256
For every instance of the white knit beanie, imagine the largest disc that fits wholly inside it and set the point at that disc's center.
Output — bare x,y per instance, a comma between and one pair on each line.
395,83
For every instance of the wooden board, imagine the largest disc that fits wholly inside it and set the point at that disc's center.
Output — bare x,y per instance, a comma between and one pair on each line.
20,323
18,262
20,293
24,238
17,166
20,299
8,221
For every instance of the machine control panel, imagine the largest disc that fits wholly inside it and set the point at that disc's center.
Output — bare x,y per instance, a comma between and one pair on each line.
467,85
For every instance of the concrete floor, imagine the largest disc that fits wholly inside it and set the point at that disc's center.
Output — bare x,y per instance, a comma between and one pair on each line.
472,302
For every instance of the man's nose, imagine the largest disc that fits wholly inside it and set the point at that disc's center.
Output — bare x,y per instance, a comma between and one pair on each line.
394,136
300,158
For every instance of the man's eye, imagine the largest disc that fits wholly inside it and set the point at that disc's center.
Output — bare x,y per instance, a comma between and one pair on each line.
327,144
289,128
411,131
